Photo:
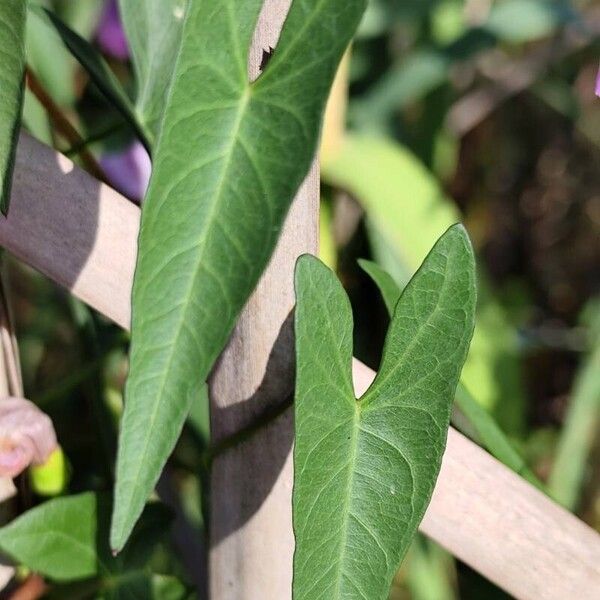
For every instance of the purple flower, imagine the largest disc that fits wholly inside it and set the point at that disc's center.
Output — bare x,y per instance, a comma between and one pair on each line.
128,170
110,35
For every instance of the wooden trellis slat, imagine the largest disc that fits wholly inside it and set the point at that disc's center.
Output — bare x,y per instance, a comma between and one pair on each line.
252,544
83,235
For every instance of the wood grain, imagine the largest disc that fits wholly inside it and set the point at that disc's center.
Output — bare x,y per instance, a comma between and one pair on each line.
252,542
83,235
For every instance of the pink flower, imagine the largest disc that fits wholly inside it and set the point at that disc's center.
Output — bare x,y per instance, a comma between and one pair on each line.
27,436
598,84
110,35
128,170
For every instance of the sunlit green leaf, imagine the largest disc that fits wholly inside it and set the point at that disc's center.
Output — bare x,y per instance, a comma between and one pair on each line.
57,539
12,71
430,572
327,248
66,538
229,160
365,470
83,17
35,119
519,21
417,74
48,57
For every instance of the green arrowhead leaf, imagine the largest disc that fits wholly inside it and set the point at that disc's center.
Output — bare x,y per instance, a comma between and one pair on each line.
12,71
486,428
99,71
66,538
153,29
365,470
229,159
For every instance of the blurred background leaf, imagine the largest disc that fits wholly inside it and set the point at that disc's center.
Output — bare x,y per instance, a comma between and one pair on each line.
406,212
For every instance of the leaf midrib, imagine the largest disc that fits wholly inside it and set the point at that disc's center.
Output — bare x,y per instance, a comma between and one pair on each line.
364,403
346,508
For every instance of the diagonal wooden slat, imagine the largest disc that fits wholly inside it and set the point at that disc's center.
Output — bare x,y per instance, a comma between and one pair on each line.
77,231
82,234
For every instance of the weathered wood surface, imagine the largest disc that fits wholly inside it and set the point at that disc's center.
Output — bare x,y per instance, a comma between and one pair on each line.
83,235
252,542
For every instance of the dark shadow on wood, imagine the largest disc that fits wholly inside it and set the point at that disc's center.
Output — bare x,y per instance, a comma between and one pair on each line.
251,468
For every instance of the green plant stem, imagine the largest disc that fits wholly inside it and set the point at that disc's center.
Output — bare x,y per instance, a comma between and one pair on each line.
581,425
93,138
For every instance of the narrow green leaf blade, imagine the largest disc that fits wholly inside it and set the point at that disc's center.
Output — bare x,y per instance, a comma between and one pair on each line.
153,29
99,71
12,71
491,437
229,160
488,431
582,422
365,470
389,289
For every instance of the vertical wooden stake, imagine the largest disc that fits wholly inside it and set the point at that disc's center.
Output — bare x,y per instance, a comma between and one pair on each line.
252,542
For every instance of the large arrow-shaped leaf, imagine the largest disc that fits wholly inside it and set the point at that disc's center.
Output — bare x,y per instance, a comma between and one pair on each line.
365,470
229,158
12,70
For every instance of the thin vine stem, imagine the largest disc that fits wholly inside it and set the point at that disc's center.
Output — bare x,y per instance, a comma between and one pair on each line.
64,127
